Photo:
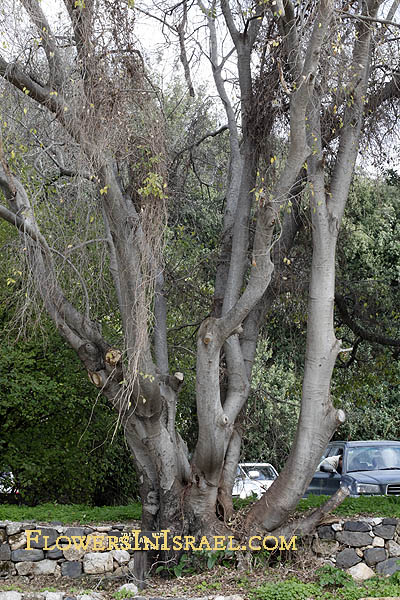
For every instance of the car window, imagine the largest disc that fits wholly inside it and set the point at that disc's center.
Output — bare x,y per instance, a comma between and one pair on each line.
370,458
265,473
334,451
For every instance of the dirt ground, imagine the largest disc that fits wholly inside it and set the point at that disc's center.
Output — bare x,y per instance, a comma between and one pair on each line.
221,580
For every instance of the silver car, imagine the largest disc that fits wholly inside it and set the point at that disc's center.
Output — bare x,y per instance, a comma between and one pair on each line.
253,478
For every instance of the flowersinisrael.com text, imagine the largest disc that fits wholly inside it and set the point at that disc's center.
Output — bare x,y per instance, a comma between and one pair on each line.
138,540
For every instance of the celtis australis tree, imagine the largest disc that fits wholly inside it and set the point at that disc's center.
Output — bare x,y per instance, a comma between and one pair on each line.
308,80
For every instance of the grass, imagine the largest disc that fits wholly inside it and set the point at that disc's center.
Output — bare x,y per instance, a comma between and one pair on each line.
71,513
377,506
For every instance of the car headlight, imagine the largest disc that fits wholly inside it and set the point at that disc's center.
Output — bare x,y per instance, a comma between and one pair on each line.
367,488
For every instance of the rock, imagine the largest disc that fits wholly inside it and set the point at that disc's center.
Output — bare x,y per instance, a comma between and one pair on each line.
385,531
325,532
24,568
23,555
129,587
71,569
116,533
94,562
361,572
234,597
73,554
44,567
325,547
121,556
361,526
3,536
54,595
374,555
78,531
131,565
378,542
54,554
348,537
353,538
347,558
373,520
388,567
393,548
104,528
121,571
390,521
5,552
359,552
17,541
13,528
47,538
337,526
10,596
7,568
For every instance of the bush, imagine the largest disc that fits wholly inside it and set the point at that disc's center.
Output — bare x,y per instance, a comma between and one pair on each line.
57,433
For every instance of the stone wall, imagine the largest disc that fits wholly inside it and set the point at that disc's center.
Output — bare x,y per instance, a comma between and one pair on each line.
364,548
64,560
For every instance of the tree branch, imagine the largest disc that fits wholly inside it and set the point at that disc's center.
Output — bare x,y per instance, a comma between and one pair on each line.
56,65
367,18
368,336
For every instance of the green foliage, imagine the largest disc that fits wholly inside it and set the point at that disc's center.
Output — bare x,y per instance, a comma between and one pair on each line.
57,435
293,589
329,576
121,594
68,514
211,558
183,567
285,590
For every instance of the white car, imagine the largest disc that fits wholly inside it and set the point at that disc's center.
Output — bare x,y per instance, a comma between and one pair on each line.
253,478
7,484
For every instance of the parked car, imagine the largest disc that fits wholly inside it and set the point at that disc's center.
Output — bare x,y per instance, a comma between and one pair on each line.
369,468
253,478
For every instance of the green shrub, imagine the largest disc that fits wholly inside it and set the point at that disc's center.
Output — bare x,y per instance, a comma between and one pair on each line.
286,590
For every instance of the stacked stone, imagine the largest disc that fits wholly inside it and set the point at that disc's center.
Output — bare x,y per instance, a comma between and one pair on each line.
16,559
364,548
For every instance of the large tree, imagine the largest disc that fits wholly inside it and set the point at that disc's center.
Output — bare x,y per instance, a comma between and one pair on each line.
309,83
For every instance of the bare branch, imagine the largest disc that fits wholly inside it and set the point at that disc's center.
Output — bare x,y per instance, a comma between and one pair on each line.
56,67
367,18
369,336
183,55
202,139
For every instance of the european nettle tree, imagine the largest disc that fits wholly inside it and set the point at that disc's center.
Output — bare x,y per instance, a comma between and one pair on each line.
309,82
